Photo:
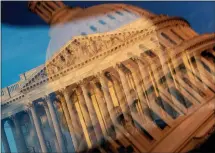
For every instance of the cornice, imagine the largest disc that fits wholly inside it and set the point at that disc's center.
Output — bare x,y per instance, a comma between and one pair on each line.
93,46
64,64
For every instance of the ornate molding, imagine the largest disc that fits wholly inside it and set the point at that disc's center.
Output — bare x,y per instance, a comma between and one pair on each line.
83,49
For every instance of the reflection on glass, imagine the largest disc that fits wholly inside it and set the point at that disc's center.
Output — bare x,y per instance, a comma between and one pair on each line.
184,101
155,118
187,81
166,107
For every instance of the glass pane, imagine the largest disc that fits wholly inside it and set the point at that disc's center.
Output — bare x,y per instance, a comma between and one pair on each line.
143,130
183,100
167,107
155,118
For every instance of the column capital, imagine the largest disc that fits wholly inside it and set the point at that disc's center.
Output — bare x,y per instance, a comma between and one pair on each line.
78,91
120,67
82,83
140,62
65,91
99,74
29,105
60,97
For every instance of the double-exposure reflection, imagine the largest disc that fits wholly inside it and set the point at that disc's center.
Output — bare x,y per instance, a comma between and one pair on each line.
117,79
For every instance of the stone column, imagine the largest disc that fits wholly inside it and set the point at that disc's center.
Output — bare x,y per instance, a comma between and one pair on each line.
121,97
87,123
38,128
109,103
91,110
202,72
56,125
125,85
4,138
66,113
126,89
107,96
73,124
50,124
137,82
144,74
20,139
103,107
28,111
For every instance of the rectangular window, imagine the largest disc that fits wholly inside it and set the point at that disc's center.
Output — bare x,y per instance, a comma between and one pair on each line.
102,22
150,90
183,100
111,17
127,10
167,107
150,53
162,80
93,28
175,33
143,130
187,81
155,118
117,12
83,33
205,66
168,38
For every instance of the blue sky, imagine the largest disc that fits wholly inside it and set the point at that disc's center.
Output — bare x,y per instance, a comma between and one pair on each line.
25,36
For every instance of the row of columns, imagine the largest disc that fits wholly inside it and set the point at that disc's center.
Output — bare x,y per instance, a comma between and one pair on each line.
90,116
87,108
35,121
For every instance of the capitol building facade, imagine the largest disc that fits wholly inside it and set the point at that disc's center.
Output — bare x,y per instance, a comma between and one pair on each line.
117,79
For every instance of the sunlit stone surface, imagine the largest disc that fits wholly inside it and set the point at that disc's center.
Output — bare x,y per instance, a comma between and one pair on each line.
117,79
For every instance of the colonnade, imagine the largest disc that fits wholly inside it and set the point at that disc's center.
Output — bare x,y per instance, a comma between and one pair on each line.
92,108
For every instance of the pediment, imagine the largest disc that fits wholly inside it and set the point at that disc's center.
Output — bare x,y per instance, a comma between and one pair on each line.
36,78
82,48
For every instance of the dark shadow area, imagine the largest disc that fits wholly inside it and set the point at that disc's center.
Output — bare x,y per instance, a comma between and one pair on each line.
207,147
16,13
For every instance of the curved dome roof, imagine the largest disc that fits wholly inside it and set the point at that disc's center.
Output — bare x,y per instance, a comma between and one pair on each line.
95,19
